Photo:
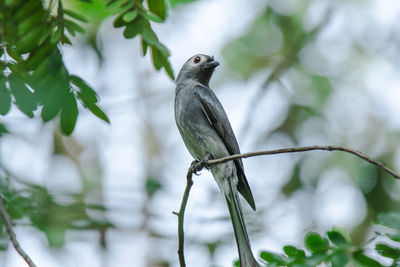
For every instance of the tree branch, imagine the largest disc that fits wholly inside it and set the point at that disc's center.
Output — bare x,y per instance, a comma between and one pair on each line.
200,165
303,149
181,214
13,238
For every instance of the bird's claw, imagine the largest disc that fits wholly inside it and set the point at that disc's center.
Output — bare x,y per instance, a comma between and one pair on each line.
195,167
203,162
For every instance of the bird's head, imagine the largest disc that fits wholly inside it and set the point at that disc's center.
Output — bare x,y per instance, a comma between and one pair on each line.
199,68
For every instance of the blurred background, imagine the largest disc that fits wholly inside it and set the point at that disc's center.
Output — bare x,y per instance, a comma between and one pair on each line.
292,73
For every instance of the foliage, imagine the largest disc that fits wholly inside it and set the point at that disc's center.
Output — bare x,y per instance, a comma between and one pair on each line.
336,249
45,213
33,74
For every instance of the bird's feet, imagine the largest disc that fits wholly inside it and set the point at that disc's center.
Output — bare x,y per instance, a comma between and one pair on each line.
195,167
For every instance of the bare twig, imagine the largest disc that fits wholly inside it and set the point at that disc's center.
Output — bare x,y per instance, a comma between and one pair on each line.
13,238
181,215
200,165
303,149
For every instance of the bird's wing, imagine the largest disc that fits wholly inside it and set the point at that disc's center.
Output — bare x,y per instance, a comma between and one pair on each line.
218,119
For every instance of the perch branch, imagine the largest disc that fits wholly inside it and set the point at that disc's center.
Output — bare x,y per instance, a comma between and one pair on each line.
181,214
200,165
13,238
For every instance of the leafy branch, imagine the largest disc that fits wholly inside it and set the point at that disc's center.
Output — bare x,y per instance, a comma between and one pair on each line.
320,249
33,75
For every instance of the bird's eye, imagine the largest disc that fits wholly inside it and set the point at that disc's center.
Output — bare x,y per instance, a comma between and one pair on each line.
196,59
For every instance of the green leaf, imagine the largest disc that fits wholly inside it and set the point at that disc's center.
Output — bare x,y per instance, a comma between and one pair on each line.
388,251
315,243
99,113
27,9
5,98
88,97
294,252
24,98
37,57
152,186
338,238
55,37
160,60
135,27
72,26
389,219
271,257
158,7
69,115
75,15
176,2
339,259
3,129
30,40
364,260
86,93
129,16
150,37
31,21
151,16
119,21
145,47
394,237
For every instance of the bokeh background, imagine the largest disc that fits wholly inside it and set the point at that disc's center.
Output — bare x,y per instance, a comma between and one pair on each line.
292,73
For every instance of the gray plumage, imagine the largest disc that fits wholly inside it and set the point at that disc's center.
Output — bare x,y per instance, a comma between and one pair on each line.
205,129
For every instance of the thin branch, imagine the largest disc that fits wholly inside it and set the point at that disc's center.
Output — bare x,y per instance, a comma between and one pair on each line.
302,149
13,238
200,165
181,214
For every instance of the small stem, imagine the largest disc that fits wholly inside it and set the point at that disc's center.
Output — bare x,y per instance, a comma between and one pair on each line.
13,238
181,215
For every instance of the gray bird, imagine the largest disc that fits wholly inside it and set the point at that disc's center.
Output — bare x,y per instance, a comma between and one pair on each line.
206,131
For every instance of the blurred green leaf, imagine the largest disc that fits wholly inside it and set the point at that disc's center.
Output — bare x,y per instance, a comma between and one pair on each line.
88,97
86,93
24,97
271,257
160,60
152,186
339,259
73,27
3,129
388,251
364,260
158,7
389,219
130,16
69,115
135,27
176,2
151,16
315,243
294,252
75,15
5,98
99,113
338,238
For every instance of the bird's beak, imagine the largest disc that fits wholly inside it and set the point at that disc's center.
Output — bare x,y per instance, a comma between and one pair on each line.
211,64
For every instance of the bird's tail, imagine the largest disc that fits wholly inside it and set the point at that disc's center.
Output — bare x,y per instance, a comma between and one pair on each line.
246,257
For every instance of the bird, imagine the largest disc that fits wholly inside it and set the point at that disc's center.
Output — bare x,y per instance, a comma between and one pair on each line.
207,133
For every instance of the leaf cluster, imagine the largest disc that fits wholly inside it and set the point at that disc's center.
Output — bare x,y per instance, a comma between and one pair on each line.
135,19
33,75
337,250
47,214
